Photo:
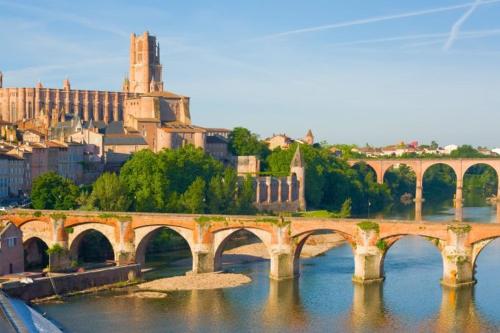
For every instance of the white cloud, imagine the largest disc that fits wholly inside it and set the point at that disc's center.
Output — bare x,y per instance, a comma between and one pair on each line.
373,20
455,29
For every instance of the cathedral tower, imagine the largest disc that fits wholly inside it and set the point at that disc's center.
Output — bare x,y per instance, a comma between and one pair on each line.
145,68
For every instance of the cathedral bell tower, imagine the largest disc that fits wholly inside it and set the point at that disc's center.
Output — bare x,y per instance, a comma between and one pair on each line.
145,67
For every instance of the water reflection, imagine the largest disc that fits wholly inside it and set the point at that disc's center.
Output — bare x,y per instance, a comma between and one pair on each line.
458,312
284,308
368,312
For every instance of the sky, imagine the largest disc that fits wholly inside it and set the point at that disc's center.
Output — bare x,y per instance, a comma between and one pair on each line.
353,71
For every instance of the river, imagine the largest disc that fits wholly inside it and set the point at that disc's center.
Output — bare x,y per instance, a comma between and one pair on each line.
323,299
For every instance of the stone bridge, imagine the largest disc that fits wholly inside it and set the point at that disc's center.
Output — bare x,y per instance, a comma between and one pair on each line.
420,166
129,233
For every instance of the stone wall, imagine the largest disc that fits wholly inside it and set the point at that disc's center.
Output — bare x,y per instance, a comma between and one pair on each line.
44,287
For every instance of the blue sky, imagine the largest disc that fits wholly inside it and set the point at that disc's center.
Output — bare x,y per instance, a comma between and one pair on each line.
353,71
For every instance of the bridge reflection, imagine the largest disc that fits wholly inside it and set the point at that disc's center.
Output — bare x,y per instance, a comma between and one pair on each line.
368,313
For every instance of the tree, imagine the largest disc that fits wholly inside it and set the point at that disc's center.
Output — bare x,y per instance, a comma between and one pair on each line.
145,182
51,191
193,200
434,145
246,196
242,142
465,151
109,194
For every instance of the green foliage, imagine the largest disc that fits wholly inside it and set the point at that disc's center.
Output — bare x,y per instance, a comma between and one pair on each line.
466,151
330,181
206,220
144,178
122,218
69,230
382,245
279,222
193,200
460,228
58,216
37,214
184,180
242,142
166,240
51,191
109,194
345,210
55,249
245,197
369,225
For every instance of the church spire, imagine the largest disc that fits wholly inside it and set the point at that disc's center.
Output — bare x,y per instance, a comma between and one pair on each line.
297,160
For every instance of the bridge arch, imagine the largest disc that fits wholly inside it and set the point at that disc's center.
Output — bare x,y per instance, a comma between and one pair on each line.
480,169
453,170
222,236
144,234
374,166
389,243
35,253
37,229
80,231
301,240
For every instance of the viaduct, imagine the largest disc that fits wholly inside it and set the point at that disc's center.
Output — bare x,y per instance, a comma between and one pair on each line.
420,166
129,233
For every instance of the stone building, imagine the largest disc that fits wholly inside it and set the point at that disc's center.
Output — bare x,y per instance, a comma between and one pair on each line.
11,249
282,193
55,105
11,175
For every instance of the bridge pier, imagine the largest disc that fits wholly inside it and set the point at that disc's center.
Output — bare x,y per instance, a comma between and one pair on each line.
203,259
367,265
59,258
368,258
418,200
459,200
458,267
282,263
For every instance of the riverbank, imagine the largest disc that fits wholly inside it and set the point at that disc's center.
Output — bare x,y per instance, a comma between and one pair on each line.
316,245
196,282
66,284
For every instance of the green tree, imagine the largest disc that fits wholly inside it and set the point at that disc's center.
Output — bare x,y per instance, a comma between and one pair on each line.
109,194
193,200
145,182
465,151
242,142
246,196
51,191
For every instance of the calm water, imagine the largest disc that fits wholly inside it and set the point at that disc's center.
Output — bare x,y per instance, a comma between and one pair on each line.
322,299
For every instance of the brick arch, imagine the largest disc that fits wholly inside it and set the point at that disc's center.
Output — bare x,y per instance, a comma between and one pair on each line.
39,229
389,164
222,236
494,165
144,234
301,240
375,165
27,247
80,230
455,165
390,241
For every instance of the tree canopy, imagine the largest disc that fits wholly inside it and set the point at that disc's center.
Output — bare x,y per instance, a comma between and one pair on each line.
51,191
242,142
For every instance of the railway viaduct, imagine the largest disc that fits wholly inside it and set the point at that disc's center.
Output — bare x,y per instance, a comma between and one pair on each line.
420,166
129,233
